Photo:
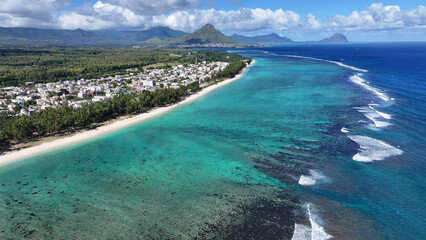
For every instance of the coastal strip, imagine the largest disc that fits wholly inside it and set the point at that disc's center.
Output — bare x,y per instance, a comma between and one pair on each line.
13,156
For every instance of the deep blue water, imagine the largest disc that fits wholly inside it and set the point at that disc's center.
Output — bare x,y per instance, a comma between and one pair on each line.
390,191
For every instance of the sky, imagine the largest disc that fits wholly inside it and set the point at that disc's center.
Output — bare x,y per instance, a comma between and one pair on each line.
361,20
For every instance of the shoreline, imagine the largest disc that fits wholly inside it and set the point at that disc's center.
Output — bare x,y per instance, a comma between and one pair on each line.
17,155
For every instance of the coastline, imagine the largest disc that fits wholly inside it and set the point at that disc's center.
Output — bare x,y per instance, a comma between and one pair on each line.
14,156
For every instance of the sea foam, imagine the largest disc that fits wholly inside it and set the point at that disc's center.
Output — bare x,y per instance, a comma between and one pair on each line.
314,232
377,117
372,149
382,114
329,61
344,130
314,177
301,232
319,59
318,232
358,80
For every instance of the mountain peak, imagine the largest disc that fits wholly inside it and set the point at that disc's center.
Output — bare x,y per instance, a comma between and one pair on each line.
205,35
208,26
336,38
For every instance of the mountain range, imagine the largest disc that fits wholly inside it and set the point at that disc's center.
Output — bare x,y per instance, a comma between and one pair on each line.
157,36
272,38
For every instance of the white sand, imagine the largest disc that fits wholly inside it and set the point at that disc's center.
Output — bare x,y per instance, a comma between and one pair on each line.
14,156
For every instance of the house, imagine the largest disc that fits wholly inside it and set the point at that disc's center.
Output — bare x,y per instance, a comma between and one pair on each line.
82,95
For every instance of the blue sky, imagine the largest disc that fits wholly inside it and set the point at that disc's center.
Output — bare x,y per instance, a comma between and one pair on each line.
361,20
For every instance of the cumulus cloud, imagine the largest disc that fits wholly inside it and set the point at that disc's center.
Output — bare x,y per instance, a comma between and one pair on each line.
106,15
376,17
185,15
313,23
30,12
153,7
241,20
102,16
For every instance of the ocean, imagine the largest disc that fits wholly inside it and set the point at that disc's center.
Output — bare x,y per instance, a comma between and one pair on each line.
313,142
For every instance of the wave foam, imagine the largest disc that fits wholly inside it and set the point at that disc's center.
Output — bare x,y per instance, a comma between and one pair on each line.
329,61
301,232
314,232
313,178
319,59
358,80
344,130
318,232
377,117
382,114
372,149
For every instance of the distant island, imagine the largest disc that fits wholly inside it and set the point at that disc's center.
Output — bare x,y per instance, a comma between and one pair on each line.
207,36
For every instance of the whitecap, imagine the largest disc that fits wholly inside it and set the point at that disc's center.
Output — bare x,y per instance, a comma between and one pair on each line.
319,59
347,66
358,80
372,149
301,232
318,232
314,177
329,61
314,232
382,114
378,118
344,130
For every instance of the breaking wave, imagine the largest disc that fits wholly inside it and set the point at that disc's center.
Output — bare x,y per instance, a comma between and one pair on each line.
358,80
314,232
322,60
344,130
378,118
314,177
371,149
301,232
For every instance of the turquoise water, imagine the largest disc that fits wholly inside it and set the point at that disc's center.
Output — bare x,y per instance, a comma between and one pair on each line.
225,166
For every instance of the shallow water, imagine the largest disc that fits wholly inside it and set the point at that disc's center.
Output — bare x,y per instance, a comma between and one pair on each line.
229,164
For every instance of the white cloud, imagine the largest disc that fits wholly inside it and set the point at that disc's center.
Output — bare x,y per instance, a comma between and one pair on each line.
154,7
30,12
313,22
102,16
185,15
376,17
241,20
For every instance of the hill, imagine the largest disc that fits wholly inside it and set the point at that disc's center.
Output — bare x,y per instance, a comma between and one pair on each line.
272,38
45,37
205,35
336,38
161,33
34,36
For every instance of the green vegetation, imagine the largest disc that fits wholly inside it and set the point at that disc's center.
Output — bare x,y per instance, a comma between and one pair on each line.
231,70
20,65
44,65
206,34
52,121
52,37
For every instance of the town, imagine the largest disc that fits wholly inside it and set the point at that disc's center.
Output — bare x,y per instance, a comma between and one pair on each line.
34,97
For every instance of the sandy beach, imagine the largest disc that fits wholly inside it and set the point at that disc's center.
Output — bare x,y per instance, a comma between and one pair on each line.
13,156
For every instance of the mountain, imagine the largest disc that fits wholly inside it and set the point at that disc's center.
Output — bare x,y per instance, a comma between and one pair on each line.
205,35
139,36
336,38
47,36
34,36
272,38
